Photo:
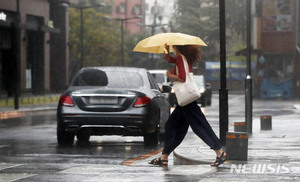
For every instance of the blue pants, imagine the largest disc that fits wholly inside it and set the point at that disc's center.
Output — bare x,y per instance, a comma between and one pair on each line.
179,122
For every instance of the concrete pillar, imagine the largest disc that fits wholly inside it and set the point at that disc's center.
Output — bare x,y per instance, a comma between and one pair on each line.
237,146
266,122
240,127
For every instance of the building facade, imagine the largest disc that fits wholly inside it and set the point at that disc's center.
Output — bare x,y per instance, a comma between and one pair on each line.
297,51
126,10
33,51
277,29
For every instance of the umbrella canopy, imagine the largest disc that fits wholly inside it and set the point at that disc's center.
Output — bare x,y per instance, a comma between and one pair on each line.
157,43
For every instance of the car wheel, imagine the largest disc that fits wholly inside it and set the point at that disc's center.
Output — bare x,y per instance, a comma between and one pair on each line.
64,138
83,136
151,139
203,103
208,102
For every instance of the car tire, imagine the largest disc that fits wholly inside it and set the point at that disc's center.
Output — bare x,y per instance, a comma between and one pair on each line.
208,103
64,138
83,136
152,139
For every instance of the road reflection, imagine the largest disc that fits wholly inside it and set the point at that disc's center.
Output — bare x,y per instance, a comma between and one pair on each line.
28,118
8,115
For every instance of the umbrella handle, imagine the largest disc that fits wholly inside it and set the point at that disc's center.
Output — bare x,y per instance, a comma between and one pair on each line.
167,50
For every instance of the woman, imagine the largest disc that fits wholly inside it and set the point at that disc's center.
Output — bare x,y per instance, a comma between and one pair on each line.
189,115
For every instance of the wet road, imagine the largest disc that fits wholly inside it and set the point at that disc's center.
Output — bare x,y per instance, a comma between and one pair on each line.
29,151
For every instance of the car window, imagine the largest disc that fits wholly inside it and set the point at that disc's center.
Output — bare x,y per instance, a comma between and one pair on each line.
159,77
153,83
114,79
117,79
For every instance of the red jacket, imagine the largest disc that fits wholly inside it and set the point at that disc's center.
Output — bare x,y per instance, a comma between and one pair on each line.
179,63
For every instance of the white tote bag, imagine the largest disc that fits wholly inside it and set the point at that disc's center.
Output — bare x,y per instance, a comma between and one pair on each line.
186,92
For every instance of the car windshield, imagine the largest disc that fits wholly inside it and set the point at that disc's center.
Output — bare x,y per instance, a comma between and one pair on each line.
109,78
159,77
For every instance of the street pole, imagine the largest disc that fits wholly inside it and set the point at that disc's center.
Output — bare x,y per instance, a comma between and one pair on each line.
122,41
122,20
17,41
81,38
81,8
223,92
248,81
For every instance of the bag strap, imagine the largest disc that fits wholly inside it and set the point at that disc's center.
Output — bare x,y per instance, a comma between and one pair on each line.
186,67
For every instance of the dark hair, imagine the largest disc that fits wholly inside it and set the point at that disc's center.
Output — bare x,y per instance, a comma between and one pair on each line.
192,53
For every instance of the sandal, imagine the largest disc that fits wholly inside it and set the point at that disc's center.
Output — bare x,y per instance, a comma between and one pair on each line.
159,162
219,160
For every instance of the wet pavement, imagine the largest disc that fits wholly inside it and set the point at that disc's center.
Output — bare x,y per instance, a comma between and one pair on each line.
273,155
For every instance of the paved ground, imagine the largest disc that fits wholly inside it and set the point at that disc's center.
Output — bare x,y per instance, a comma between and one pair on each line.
273,155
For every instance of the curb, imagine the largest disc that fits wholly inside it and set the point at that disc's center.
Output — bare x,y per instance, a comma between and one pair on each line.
297,106
183,160
29,110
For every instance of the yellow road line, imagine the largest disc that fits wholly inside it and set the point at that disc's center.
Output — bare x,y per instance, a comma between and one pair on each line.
131,161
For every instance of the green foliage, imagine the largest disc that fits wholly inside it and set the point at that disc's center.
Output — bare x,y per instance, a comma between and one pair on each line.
239,45
102,36
201,18
101,39
139,59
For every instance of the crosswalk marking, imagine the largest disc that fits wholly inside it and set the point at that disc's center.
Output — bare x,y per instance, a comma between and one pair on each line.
8,165
3,146
10,177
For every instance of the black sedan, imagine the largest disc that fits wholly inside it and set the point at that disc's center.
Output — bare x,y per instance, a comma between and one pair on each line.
112,101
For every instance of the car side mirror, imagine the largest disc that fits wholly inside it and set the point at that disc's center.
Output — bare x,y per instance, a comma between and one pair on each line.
166,89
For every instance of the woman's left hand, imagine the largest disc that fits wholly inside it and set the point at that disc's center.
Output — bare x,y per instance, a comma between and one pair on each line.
169,73
173,76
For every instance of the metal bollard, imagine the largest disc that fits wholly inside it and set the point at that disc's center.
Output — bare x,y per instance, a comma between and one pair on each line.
237,146
240,127
266,122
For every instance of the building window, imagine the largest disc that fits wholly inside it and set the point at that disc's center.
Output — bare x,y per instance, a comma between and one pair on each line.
136,10
121,8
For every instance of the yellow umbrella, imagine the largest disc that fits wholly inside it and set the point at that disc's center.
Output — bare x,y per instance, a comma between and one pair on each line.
157,43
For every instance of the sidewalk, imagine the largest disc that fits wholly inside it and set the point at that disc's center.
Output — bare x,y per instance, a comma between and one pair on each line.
10,112
273,155
28,103
270,152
